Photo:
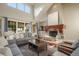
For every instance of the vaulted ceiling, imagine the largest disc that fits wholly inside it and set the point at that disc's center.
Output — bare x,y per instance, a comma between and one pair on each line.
40,9
43,12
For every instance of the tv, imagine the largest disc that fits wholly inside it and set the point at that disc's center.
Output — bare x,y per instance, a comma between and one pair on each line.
53,33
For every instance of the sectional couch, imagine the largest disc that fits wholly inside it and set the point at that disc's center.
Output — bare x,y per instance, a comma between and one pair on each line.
9,48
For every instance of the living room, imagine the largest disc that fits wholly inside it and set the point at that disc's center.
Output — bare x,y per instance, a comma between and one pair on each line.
39,29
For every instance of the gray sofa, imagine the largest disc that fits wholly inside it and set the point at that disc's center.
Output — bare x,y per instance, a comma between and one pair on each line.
14,45
4,51
14,48
20,42
14,42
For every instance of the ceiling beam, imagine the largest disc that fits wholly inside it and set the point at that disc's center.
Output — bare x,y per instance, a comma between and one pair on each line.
50,8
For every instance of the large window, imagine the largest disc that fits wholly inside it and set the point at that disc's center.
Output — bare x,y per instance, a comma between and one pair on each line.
12,26
27,9
21,6
12,5
21,25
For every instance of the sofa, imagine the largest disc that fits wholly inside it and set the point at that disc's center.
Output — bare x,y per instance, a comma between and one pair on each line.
9,48
15,40
4,51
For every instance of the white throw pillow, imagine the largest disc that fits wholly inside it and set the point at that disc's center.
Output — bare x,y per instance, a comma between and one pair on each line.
17,35
10,35
22,35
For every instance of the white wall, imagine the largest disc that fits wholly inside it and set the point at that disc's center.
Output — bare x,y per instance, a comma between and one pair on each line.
69,15
14,13
59,9
53,18
71,21
55,7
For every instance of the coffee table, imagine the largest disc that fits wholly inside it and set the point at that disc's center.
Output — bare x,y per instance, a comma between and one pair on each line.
37,47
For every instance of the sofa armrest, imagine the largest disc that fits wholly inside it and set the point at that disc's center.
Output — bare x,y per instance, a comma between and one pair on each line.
5,51
15,50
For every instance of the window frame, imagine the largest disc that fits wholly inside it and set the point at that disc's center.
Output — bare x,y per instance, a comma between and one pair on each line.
20,6
25,9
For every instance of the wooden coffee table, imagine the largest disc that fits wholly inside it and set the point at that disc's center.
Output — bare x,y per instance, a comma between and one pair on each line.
37,47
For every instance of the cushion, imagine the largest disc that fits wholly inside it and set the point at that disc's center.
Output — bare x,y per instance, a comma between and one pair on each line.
3,41
75,44
15,50
19,35
10,35
11,41
19,42
76,52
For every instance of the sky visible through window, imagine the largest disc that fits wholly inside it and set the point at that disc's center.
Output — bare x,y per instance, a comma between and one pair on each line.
20,6
12,5
27,9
